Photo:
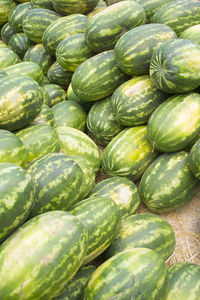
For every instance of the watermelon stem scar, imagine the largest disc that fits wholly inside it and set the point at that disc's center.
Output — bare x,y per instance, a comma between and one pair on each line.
81,92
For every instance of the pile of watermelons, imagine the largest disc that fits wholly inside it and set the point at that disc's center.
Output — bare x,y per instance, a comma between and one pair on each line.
76,74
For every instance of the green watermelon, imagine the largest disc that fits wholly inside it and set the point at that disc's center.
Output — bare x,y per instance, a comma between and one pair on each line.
135,100
144,230
71,7
26,68
21,101
6,33
151,6
56,94
72,96
50,245
101,122
102,219
57,75
5,8
69,113
97,77
36,21
121,190
73,51
42,4
45,116
192,33
59,182
39,140
12,149
63,28
178,15
106,27
16,15
75,142
39,55
184,281
194,159
19,43
138,273
17,198
134,49
100,6
46,99
175,66
8,57
128,154
168,182
175,123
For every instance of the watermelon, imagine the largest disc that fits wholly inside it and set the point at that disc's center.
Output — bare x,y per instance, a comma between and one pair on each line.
42,4
6,33
168,182
26,68
101,123
39,140
5,8
137,273
144,230
73,51
75,287
128,154
104,30
63,28
72,96
19,43
49,245
70,7
21,101
184,281
175,66
56,94
97,77
8,57
178,15
135,100
192,33
59,182
102,219
175,123
134,49
121,190
69,113
12,149
36,21
46,98
16,15
100,6
39,55
17,198
57,75
194,159
45,116
75,142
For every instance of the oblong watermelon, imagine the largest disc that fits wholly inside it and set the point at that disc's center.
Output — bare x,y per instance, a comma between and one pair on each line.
8,57
49,245
57,75
19,43
71,7
45,116
191,33
151,6
6,32
194,159
42,4
168,182
5,8
16,15
55,94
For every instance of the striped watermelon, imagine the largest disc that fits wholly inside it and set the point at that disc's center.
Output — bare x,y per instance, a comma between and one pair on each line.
48,246
144,230
59,182
36,21
5,8
101,123
73,51
63,28
45,116
12,149
175,66
8,57
102,219
168,182
151,6
134,49
184,282
192,33
137,273
19,43
75,287
71,7
75,142
97,77
6,32
100,6
16,15
17,198
39,140
104,30
128,154
175,123
178,15
134,101
42,4
39,55
122,191
57,75
56,94
26,68
22,98
69,113
194,159
72,96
